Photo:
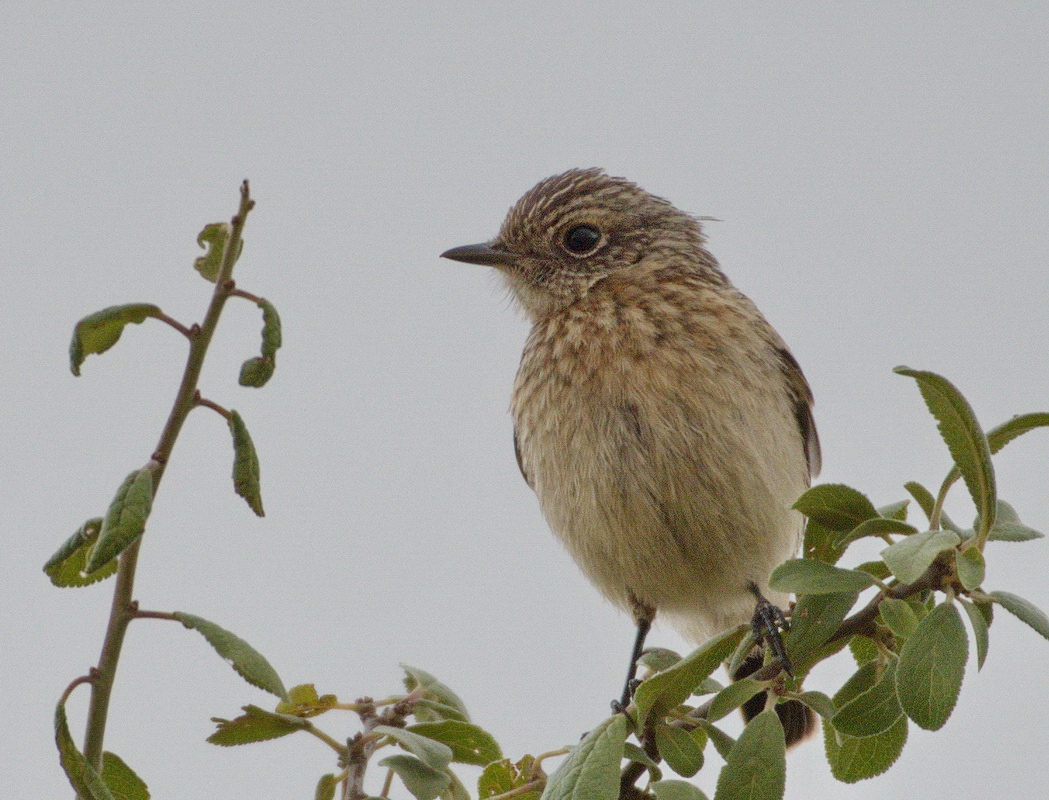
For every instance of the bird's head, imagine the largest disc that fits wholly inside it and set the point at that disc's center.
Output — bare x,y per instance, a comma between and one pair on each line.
573,229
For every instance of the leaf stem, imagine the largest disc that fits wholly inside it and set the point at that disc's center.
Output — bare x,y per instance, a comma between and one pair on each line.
122,610
174,323
203,401
89,678
247,296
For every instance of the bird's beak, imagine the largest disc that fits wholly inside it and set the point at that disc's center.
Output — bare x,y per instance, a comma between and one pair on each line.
485,253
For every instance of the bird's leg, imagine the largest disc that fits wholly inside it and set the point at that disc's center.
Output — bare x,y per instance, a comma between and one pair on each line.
767,622
643,615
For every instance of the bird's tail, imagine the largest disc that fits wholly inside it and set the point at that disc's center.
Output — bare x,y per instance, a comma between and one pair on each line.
799,721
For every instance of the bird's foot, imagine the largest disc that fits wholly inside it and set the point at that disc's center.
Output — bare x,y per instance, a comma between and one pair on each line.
767,622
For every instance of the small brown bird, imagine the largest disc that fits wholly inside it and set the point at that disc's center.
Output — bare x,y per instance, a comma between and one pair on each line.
662,422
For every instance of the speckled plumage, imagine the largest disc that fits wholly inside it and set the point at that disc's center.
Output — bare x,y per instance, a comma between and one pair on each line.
661,421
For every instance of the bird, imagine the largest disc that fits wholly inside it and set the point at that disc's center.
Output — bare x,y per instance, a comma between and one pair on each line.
661,421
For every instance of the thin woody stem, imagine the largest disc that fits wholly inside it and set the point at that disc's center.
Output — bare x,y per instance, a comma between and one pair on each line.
122,610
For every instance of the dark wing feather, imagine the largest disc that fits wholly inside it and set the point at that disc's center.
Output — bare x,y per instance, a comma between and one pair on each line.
520,463
801,396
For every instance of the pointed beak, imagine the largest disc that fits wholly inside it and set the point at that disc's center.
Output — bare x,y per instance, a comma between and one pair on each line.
485,253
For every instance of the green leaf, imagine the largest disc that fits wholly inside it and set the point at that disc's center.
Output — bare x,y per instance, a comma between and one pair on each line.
817,701
879,526
898,616
121,780
213,239
439,702
756,768
875,568
500,777
256,371
631,752
249,663
255,725
981,634
668,689
422,780
862,679
740,654
873,711
805,576
836,506
67,567
1007,526
100,331
820,543
909,558
303,701
926,501
708,686
125,520
679,749
931,668
1024,610
815,618
963,435
591,770
896,511
326,787
469,743
855,759
84,779
676,790
658,659
245,464
455,789
431,752
722,742
732,697
863,650
971,568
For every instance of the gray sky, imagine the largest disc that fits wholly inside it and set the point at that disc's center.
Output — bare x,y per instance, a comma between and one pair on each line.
881,174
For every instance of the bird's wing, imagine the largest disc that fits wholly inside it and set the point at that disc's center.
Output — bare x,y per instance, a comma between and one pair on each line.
801,396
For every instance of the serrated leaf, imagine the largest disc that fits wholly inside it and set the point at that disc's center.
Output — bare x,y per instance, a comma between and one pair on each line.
896,510
469,743
439,702
732,697
873,711
245,464
67,567
422,780
861,680
121,780
926,502
326,788
679,749
591,770
708,686
909,558
98,332
818,702
756,768
1024,610
805,576
1008,527
658,659
963,436
836,506
878,526
875,568
431,752
852,759
863,650
255,725
931,668
303,701
813,621
971,568
668,689
255,372
820,544
631,752
981,634
84,779
271,332
722,742
125,520
676,790
898,616
249,663
213,239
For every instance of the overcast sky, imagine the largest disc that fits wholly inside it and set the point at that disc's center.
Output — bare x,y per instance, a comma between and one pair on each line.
881,174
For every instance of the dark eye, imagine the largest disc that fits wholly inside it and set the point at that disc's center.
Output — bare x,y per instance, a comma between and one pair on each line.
582,239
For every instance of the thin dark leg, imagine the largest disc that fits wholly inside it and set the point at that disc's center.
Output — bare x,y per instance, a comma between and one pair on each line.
644,624
767,622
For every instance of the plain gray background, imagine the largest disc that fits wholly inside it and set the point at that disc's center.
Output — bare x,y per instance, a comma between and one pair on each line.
881,173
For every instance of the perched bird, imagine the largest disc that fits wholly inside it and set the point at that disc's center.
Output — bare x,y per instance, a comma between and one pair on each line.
661,421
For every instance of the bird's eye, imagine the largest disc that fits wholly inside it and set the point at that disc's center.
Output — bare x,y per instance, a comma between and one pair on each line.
582,239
